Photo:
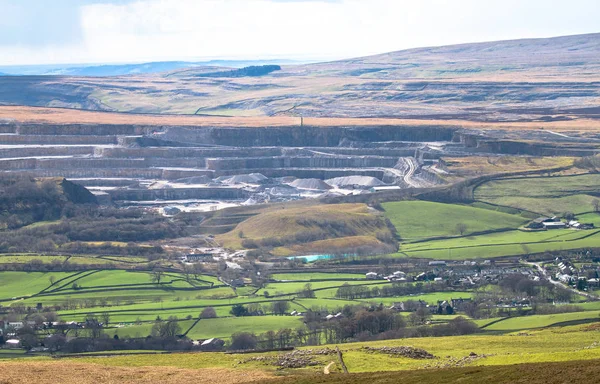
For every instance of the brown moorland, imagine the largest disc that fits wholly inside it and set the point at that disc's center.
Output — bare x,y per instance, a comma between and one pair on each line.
68,372
72,116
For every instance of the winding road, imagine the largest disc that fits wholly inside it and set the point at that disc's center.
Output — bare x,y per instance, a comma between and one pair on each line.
546,276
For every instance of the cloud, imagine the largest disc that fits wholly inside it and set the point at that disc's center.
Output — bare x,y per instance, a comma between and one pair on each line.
143,30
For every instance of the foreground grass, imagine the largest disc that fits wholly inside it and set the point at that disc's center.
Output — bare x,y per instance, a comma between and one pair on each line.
537,373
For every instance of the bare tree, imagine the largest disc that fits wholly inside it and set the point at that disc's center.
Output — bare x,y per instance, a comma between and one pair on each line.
596,205
461,228
52,280
157,275
105,316
280,307
208,313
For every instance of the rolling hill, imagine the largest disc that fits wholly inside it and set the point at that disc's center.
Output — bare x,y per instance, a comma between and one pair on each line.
520,80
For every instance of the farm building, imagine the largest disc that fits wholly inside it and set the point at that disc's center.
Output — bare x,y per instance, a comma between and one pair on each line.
554,225
12,344
372,276
212,344
540,222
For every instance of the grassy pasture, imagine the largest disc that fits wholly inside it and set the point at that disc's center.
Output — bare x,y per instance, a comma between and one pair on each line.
316,276
540,321
502,244
295,287
224,327
417,220
545,195
17,284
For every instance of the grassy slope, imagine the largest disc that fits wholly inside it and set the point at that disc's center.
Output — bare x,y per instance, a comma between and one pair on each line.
562,344
15,284
502,244
539,321
279,221
534,373
546,195
415,220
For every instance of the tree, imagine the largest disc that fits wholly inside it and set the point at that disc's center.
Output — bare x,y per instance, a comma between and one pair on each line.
569,216
461,228
307,292
197,269
52,280
280,307
169,328
239,310
243,341
92,323
105,318
157,275
208,313
420,316
596,205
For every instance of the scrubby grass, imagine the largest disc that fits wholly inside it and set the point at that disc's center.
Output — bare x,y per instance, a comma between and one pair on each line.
24,259
346,244
549,345
416,220
327,221
533,373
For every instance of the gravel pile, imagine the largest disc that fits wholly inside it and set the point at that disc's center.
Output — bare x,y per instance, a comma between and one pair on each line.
355,181
410,352
314,184
294,359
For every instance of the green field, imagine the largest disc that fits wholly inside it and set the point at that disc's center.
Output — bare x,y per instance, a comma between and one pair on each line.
17,284
417,220
316,276
541,321
544,195
502,244
223,328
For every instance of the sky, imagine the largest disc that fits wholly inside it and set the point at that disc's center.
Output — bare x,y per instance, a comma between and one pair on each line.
131,31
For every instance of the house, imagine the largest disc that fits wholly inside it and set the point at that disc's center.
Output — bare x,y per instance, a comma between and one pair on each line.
397,307
460,302
438,263
238,283
383,188
12,344
372,276
212,344
196,257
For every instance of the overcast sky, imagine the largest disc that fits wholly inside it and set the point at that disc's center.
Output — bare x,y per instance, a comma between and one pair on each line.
105,31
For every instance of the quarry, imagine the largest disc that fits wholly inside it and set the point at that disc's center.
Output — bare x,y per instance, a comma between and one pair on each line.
210,167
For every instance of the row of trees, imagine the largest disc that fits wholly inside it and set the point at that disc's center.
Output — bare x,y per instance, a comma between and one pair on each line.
352,292
365,327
